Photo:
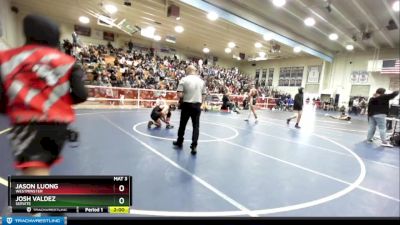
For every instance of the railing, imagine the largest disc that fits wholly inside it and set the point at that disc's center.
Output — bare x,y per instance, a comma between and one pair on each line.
146,98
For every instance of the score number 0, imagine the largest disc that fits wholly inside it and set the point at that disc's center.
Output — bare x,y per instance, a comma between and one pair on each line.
121,188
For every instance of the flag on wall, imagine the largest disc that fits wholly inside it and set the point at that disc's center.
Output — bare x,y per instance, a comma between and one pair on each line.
391,66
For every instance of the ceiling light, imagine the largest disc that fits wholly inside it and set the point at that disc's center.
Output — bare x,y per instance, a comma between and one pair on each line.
262,54
84,19
228,50
267,36
179,29
396,6
333,36
297,49
157,37
349,47
170,39
258,58
111,9
178,18
206,50
231,44
258,45
279,3
212,16
148,32
309,22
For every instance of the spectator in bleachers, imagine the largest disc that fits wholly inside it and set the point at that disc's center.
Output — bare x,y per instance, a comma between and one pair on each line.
363,106
290,103
355,106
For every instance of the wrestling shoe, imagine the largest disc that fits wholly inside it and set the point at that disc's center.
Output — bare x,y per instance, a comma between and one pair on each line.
194,151
177,144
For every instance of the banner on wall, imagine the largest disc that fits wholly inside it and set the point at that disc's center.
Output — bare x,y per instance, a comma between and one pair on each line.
108,36
359,77
81,30
354,77
313,74
139,47
363,77
164,49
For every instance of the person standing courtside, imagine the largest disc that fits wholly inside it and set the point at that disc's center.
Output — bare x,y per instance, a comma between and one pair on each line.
192,89
378,108
297,106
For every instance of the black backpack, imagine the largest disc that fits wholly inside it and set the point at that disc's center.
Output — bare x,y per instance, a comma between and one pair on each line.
395,139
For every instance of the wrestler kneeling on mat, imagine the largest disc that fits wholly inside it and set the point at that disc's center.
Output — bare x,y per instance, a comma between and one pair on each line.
161,113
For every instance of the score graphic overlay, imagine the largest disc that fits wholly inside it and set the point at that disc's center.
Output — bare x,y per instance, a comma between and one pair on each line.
70,194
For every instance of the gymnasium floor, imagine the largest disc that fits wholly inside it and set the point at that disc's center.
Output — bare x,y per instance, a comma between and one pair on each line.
241,169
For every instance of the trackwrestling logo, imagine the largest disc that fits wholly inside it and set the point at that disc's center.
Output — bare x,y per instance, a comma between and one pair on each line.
33,220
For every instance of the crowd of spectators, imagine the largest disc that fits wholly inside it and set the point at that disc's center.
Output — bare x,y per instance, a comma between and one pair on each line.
141,68
358,105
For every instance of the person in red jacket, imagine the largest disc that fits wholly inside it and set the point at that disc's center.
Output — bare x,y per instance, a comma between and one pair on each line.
38,86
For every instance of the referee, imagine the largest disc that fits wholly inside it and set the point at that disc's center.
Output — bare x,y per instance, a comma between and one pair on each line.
192,89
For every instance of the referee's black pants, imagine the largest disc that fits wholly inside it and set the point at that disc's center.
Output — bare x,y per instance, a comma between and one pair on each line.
193,111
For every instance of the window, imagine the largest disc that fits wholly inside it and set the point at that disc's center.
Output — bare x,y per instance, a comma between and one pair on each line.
257,74
290,76
264,73
270,76
284,74
264,77
299,77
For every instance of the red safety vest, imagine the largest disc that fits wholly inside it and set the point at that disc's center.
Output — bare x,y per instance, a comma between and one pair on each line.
36,83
